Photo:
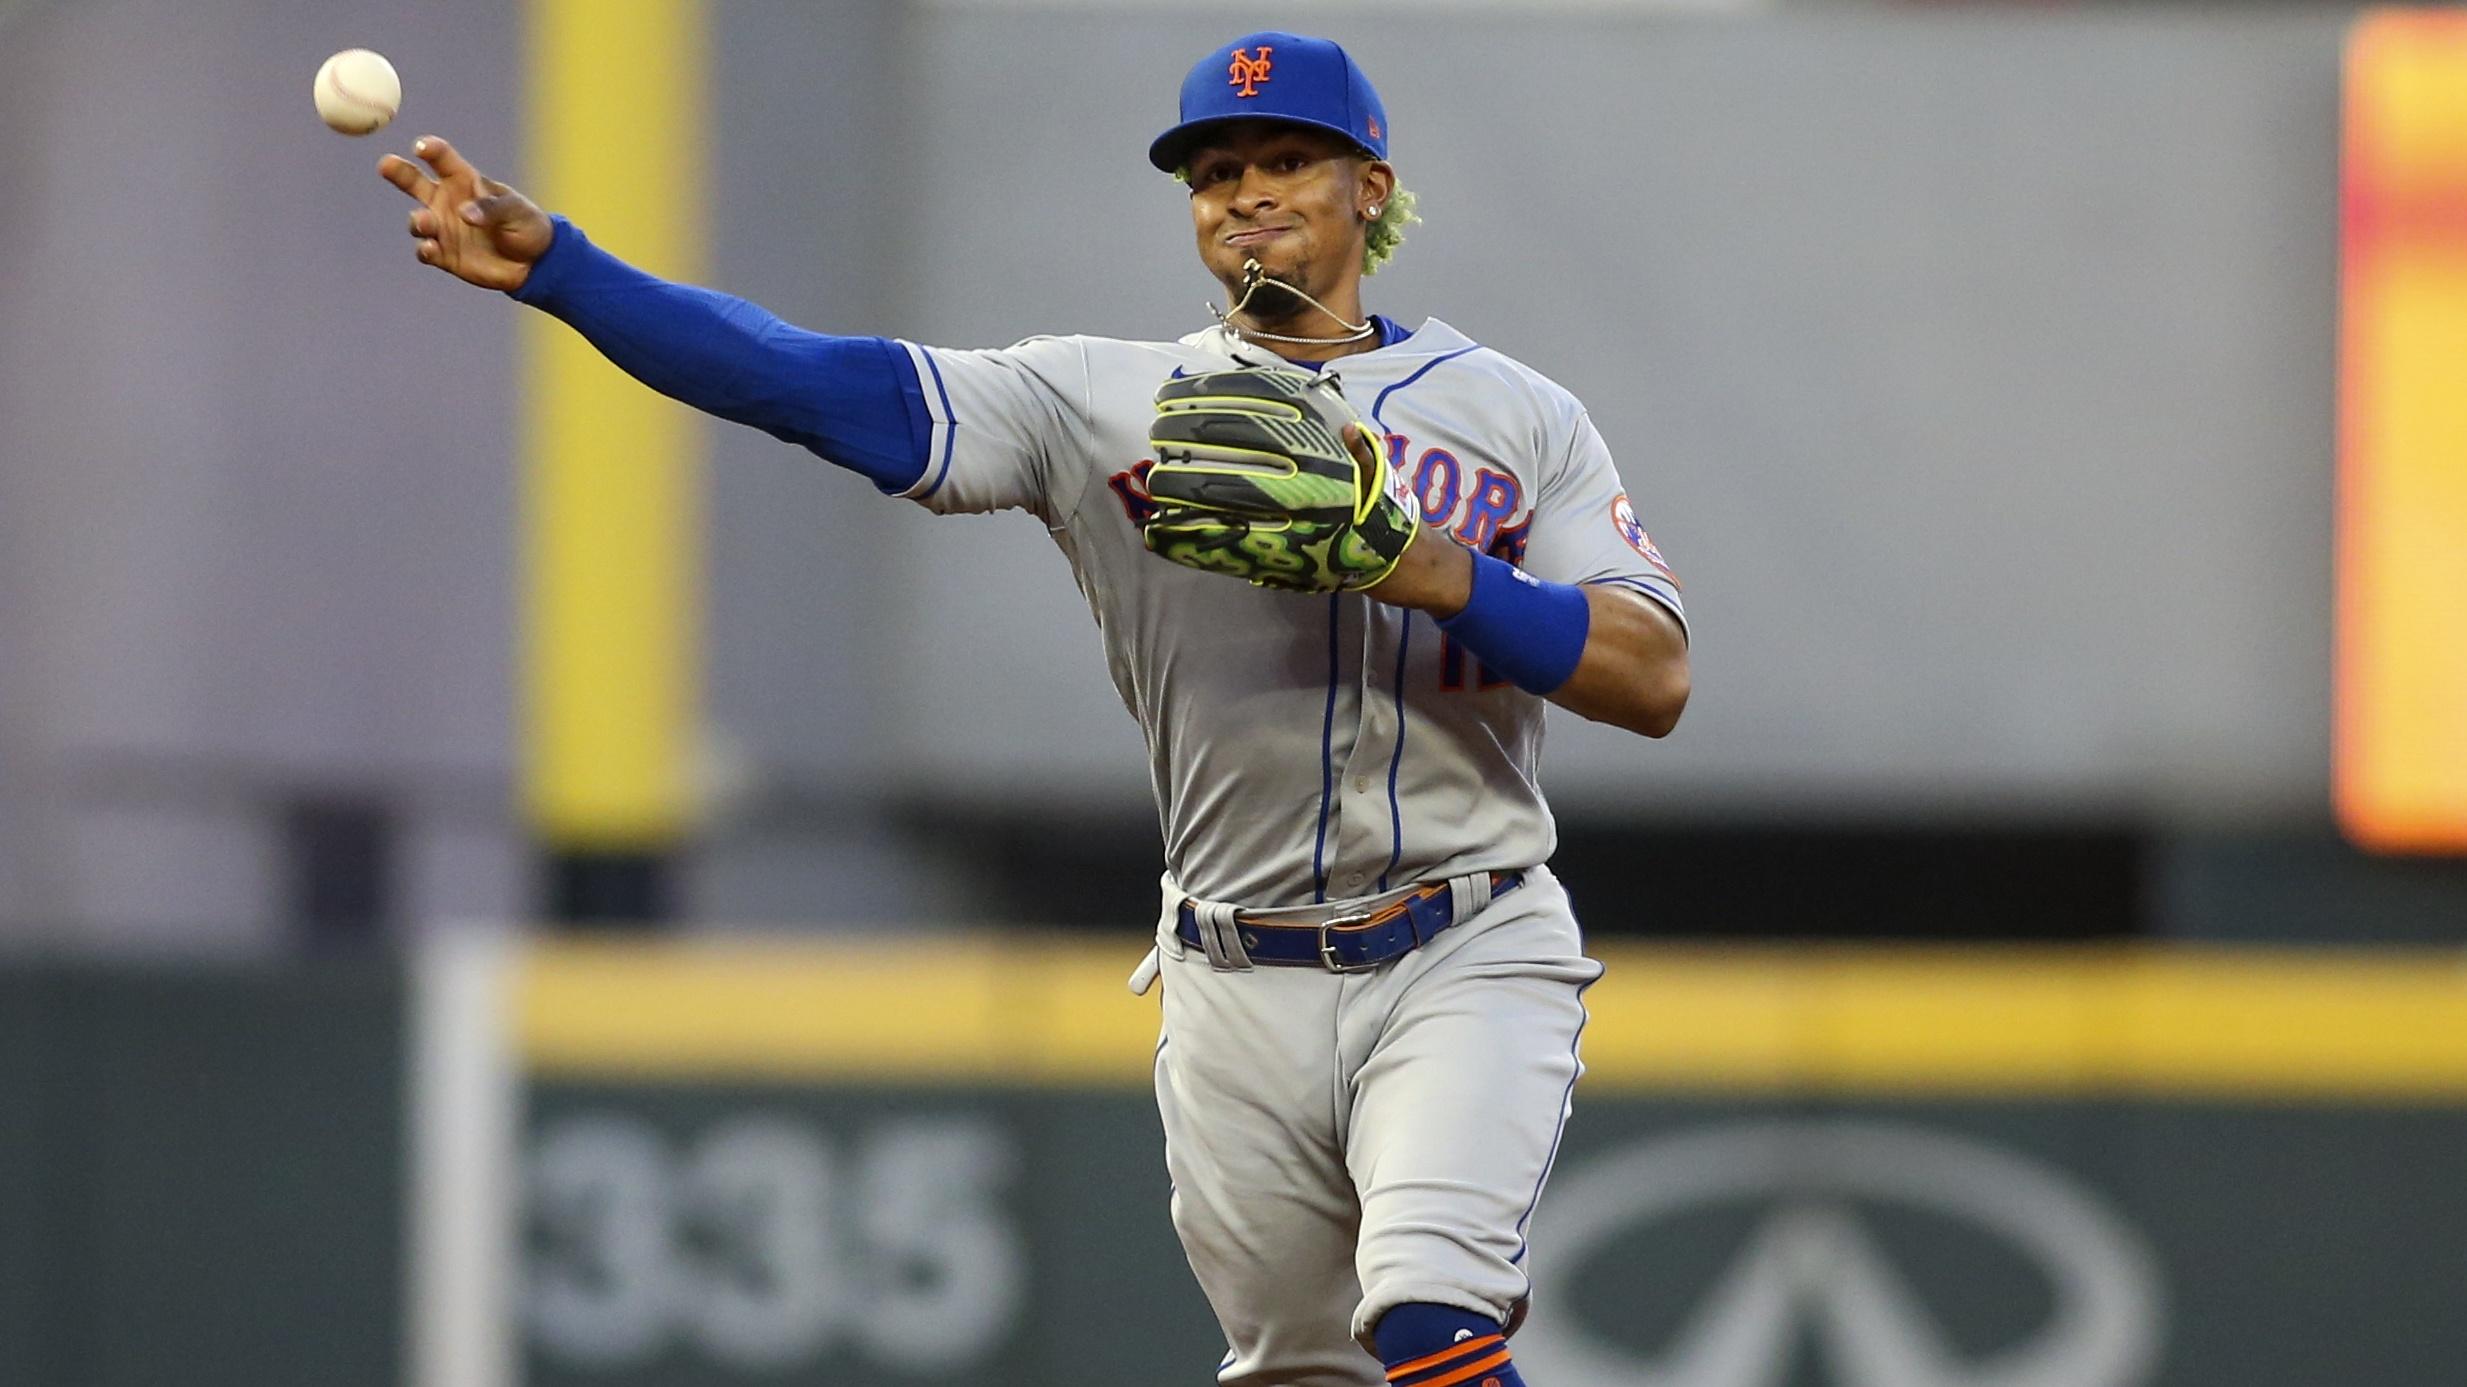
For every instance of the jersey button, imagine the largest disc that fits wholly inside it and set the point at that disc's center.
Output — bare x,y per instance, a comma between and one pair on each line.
1361,784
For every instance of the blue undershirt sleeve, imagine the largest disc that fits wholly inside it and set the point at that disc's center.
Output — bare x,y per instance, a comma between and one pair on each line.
854,401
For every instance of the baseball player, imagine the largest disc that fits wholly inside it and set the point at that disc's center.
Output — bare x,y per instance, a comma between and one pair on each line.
1339,566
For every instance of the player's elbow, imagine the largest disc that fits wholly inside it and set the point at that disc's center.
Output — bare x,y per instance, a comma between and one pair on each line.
1647,702
1647,654
1661,697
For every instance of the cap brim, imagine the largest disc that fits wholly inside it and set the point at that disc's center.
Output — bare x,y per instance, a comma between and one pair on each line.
1172,150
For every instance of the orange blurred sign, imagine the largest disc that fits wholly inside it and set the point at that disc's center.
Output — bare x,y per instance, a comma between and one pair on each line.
2400,760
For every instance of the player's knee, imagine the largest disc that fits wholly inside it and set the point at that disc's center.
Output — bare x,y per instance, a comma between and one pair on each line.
1410,1254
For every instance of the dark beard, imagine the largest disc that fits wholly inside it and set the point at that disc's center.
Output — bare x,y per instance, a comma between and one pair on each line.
1276,306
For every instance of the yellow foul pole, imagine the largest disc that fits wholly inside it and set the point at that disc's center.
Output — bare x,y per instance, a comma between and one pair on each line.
617,123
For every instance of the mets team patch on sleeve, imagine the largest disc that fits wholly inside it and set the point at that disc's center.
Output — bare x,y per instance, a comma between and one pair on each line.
1623,515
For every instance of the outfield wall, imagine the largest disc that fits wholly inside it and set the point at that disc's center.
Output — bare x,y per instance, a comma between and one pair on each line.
888,1163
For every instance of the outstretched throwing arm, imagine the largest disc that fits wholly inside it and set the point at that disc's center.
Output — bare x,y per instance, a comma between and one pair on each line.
852,400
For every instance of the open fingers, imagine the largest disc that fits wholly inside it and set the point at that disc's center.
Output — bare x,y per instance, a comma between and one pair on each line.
425,224
406,175
444,158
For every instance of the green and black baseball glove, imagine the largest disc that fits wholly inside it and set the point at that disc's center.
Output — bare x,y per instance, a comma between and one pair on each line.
1253,479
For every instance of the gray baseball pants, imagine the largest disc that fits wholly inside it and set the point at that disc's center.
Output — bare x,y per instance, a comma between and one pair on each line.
1341,1144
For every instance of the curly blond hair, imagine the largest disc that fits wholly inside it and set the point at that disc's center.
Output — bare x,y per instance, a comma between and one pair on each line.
1387,230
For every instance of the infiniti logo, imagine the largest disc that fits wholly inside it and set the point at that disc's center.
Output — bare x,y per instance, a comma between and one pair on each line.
1813,1272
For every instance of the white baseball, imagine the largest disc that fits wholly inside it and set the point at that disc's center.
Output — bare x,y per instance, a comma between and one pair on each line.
357,91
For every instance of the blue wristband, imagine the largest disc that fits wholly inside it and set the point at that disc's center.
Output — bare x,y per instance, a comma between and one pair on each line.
1527,631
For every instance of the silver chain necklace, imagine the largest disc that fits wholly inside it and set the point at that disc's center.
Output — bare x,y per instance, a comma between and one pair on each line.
1253,277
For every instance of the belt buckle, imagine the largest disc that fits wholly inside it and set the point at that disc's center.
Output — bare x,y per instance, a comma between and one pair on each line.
1327,946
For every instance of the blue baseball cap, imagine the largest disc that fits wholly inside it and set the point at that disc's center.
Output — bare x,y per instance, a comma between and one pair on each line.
1275,76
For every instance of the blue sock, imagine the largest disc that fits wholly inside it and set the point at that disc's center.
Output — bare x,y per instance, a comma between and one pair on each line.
1428,1345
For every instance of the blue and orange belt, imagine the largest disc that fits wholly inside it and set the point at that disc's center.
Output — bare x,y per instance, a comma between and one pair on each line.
1349,943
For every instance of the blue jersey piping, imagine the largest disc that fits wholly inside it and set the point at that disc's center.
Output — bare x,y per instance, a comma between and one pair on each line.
1396,759
950,445
1327,760
1417,375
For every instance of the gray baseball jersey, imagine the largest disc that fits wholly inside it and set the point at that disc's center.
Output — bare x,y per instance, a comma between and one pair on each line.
1302,748
1339,1144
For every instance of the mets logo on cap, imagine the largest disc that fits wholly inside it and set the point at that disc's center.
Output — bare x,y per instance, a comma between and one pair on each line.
1248,72
1630,529
1270,75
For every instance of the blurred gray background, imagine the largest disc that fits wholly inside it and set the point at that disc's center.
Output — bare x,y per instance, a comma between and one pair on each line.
1973,367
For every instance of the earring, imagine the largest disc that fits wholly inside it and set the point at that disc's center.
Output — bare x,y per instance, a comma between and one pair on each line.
1374,212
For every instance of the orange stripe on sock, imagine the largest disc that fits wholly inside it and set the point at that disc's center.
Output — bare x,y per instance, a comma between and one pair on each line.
1496,1360
1451,1352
